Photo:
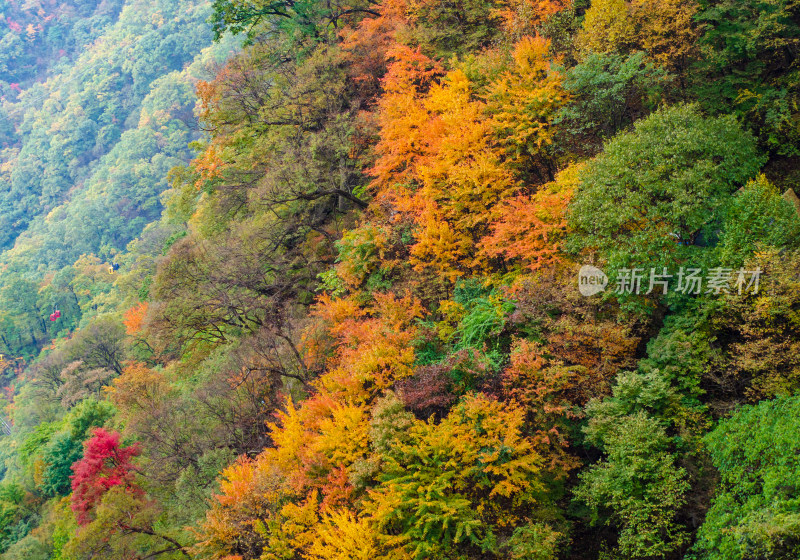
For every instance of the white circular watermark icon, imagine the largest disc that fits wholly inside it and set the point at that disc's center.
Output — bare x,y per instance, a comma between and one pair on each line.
591,280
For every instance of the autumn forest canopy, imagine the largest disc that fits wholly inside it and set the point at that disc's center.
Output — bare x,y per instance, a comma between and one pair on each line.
400,279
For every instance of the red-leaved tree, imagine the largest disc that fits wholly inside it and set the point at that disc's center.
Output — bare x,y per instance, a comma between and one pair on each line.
105,464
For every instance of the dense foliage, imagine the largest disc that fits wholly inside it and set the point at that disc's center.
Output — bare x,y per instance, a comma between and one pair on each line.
294,279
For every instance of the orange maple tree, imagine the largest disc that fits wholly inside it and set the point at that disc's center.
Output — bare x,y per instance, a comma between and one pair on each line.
530,228
134,318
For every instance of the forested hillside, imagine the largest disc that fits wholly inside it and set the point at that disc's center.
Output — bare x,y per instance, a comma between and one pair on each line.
91,132
400,280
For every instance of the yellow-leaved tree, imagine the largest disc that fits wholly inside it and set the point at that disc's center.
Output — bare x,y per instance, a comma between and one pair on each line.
455,484
664,29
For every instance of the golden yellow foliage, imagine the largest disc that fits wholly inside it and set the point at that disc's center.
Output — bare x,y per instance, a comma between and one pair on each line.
342,536
664,29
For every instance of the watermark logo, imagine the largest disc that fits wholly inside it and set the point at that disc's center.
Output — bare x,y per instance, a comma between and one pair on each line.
686,280
591,280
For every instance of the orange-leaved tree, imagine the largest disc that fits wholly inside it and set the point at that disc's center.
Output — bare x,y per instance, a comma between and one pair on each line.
530,228
460,182
447,158
544,388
